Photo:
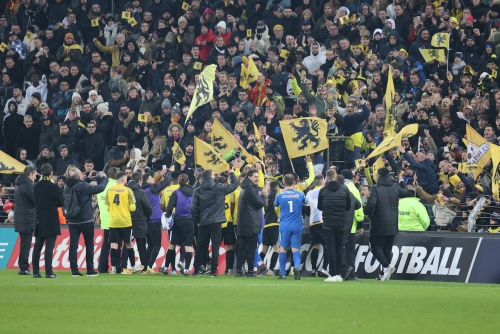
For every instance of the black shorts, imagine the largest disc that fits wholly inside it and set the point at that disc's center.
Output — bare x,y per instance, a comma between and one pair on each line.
182,233
119,234
270,235
229,234
316,232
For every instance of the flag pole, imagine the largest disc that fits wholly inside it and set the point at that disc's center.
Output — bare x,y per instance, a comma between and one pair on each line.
448,53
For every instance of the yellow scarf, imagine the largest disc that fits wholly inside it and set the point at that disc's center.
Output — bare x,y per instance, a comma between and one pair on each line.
72,47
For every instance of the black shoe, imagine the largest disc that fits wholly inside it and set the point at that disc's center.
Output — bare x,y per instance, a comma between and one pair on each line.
37,276
355,278
252,274
239,274
296,273
261,269
92,273
76,274
195,274
213,275
52,276
281,277
347,273
24,272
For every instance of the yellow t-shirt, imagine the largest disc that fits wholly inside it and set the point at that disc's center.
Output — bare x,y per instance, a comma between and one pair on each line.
167,192
235,197
227,211
120,201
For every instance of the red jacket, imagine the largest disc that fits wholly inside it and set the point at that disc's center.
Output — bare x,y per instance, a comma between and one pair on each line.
209,39
227,37
253,93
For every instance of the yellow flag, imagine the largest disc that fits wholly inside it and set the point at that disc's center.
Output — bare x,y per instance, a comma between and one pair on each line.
208,158
224,143
178,154
390,107
433,54
471,170
344,20
9,165
253,72
495,175
304,136
258,142
376,166
244,77
478,150
204,89
440,40
360,164
368,176
390,142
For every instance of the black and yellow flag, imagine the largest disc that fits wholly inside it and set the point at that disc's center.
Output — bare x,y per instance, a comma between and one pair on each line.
224,143
495,175
478,149
248,73
433,54
390,107
9,165
440,40
206,157
390,142
178,154
204,89
304,136
376,166
258,142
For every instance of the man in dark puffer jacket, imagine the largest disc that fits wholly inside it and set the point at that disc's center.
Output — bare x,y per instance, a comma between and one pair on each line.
382,207
207,209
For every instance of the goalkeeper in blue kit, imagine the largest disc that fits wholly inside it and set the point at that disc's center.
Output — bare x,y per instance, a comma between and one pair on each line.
290,203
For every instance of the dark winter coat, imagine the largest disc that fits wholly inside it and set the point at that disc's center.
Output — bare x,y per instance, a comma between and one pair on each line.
24,208
153,106
334,200
426,175
93,148
143,210
382,206
46,160
104,126
208,202
84,192
249,209
28,138
62,164
48,134
48,197
67,140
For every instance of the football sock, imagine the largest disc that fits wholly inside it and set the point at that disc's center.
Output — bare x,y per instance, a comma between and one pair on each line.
282,257
262,256
314,258
188,257
170,258
229,259
296,259
182,254
115,257
274,259
131,256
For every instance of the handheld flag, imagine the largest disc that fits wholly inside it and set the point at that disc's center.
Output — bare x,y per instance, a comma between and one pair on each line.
478,150
433,54
376,166
208,158
224,143
258,142
495,175
440,40
253,72
204,89
390,107
390,142
178,154
304,136
9,165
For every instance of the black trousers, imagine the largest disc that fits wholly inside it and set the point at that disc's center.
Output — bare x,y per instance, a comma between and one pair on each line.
87,230
205,233
248,245
381,248
334,241
103,266
141,248
154,243
49,250
349,249
24,251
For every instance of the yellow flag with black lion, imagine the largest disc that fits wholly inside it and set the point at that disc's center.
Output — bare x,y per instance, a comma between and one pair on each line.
304,136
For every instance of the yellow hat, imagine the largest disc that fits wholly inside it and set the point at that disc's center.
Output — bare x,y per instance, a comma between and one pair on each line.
278,26
453,20
404,51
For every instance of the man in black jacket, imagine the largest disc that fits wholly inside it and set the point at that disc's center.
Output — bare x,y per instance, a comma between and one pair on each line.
207,209
48,197
250,206
84,222
93,146
382,208
334,200
24,211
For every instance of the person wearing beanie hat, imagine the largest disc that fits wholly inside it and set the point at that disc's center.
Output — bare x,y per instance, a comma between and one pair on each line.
70,50
103,107
182,19
37,95
220,30
166,104
8,206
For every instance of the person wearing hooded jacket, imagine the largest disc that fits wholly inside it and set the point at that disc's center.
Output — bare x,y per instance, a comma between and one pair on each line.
382,209
315,58
205,41
24,211
207,209
140,217
422,42
12,125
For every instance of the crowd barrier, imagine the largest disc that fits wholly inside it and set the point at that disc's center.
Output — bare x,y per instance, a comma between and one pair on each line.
423,256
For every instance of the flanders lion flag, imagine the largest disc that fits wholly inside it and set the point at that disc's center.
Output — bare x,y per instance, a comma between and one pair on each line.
304,136
204,89
208,158
224,143
478,150
9,165
258,142
248,74
178,154
390,107
440,40
391,142
376,166
433,54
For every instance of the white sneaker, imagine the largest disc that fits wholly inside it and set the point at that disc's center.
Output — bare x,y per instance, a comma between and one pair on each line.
113,271
331,279
323,271
139,267
338,278
180,265
387,273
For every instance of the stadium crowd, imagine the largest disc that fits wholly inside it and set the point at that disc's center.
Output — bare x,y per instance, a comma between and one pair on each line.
101,93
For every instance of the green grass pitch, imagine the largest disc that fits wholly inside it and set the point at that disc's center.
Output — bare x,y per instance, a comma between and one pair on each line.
166,304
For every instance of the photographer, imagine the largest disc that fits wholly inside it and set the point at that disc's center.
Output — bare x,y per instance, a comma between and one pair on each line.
118,156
